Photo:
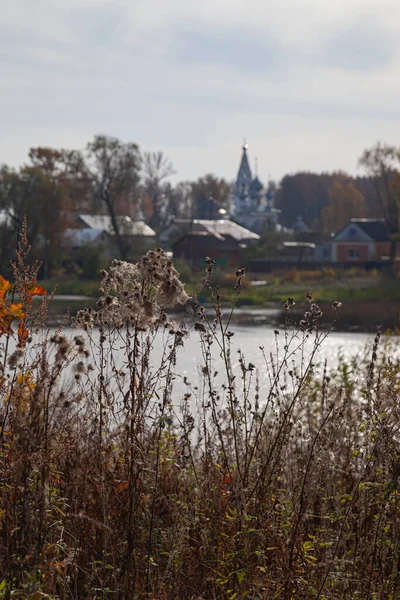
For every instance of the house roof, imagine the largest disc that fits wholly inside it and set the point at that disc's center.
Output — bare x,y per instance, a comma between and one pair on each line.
374,228
127,225
224,227
227,227
205,233
81,237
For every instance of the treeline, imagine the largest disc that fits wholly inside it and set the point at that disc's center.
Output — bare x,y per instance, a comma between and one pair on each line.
115,178
326,201
107,177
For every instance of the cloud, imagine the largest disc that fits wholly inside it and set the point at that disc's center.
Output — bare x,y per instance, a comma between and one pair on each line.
309,82
359,46
236,48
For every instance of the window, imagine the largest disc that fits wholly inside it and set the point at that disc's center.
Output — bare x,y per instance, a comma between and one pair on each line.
353,253
352,231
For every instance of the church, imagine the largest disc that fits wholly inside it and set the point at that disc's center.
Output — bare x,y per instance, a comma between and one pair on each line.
253,204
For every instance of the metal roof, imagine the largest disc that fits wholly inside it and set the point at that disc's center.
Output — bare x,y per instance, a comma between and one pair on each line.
375,228
127,225
81,237
226,227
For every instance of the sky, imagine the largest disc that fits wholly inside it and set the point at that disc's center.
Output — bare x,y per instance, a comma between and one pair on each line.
309,83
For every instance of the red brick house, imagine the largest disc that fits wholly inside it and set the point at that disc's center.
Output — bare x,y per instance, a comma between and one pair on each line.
361,240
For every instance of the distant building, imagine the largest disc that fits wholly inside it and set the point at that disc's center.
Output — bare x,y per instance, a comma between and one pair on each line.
253,205
97,230
79,238
224,227
360,241
222,240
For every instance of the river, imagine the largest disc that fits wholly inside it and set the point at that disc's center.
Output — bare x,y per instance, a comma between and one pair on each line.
254,342
258,344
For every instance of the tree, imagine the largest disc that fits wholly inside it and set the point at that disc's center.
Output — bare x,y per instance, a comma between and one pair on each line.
305,194
80,184
181,202
32,192
48,160
114,168
207,186
157,168
345,202
382,163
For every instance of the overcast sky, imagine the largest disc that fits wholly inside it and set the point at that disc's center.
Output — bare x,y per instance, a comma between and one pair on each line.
309,83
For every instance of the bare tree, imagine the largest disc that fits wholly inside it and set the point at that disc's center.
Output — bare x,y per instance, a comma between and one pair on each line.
183,199
114,167
382,163
157,168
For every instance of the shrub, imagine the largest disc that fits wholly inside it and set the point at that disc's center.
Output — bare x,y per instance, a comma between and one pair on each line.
275,484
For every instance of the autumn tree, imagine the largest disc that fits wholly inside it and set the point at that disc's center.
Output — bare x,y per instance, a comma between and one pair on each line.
32,192
382,163
66,169
306,195
114,168
345,202
79,182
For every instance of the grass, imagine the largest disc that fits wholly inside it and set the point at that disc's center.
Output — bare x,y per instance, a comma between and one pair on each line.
277,484
347,292
328,285
351,285
72,286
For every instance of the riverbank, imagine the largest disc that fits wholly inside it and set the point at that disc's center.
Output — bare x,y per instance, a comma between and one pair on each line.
352,316
258,290
367,301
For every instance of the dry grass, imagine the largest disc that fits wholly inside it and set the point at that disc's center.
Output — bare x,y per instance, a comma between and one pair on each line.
281,491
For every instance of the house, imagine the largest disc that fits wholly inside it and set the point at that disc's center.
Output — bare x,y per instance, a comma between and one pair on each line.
361,241
80,238
222,240
224,227
97,230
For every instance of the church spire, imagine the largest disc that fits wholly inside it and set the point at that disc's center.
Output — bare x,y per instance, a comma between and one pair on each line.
244,176
243,180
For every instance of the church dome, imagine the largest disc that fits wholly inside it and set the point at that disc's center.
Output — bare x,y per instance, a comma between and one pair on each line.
256,185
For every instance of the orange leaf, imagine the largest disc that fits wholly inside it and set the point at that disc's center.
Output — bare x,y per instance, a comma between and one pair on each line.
17,311
4,287
37,290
